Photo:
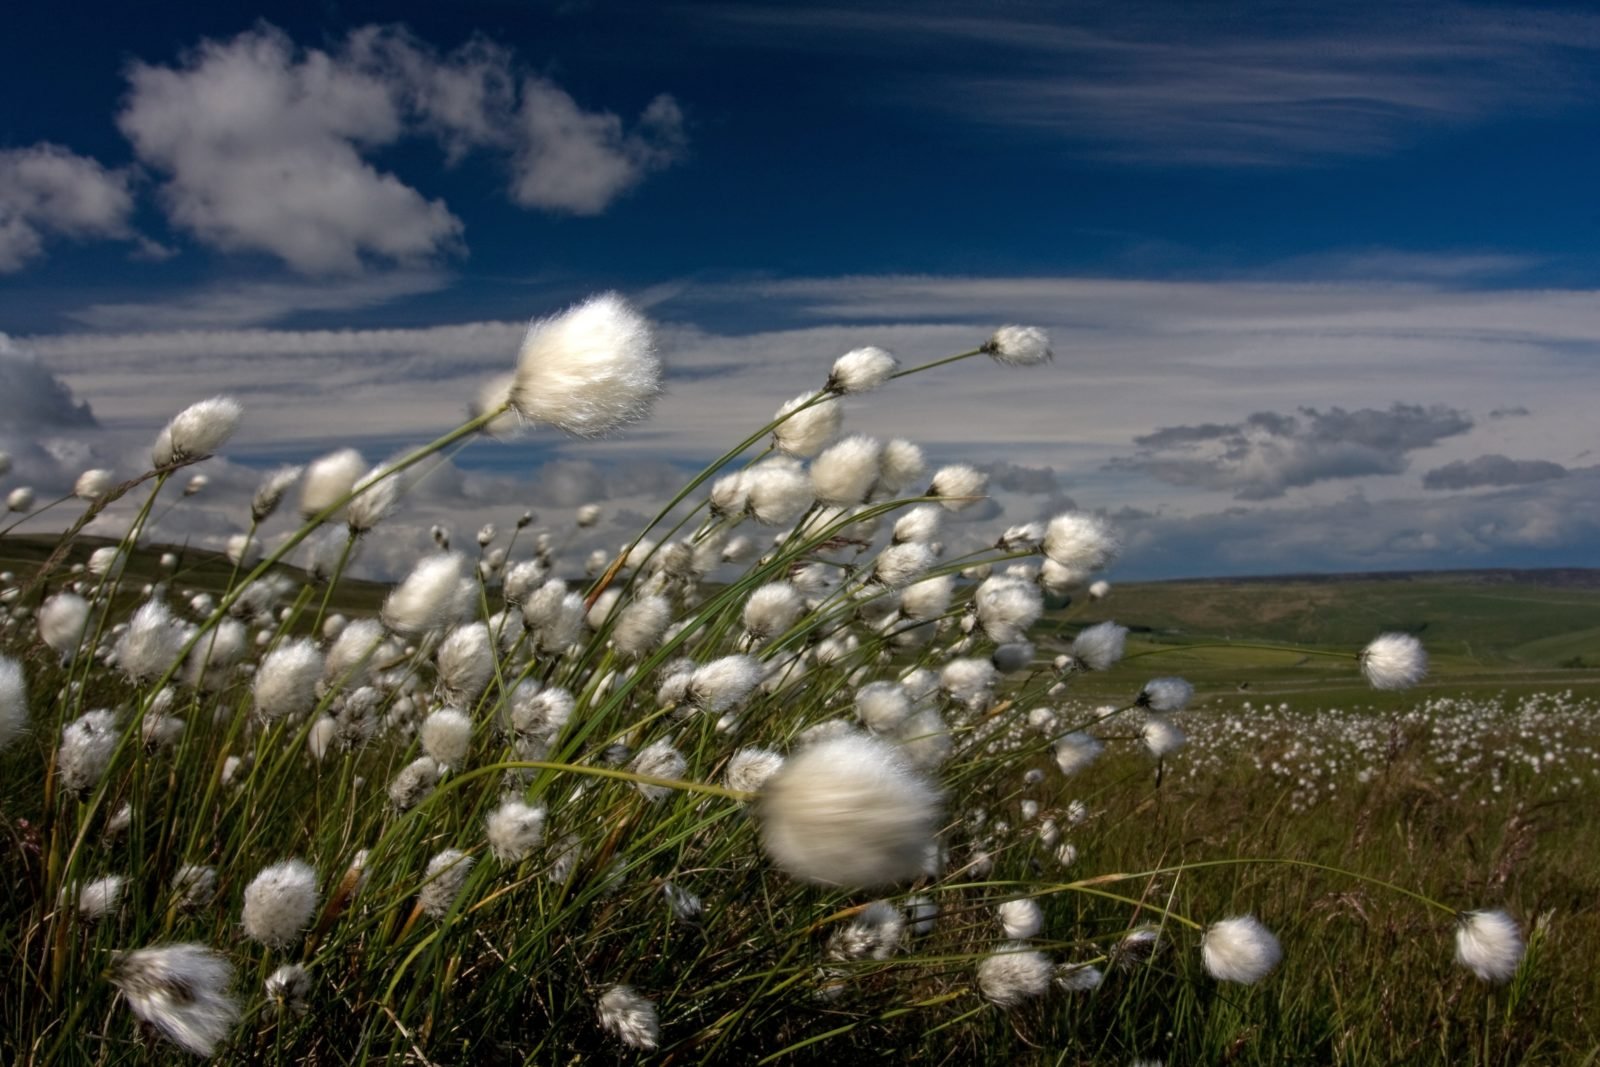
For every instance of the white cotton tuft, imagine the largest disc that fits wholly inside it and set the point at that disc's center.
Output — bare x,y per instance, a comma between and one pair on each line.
590,370
1077,751
901,564
883,706
1019,346
466,663
286,681
928,599
197,431
426,599
182,991
1239,949
1012,974
845,473
967,680
61,620
150,645
13,701
1489,944
749,769
850,811
861,370
1161,737
515,829
771,610
413,783
1080,542
100,898
93,484
328,479
1099,590
901,466
1166,694
658,760
640,626
269,493
289,987
279,902
1006,608
442,883
630,1017
958,486
1021,918
1100,646
1394,661
808,425
723,683
351,653
87,743
921,523
447,736
377,495
778,491
876,933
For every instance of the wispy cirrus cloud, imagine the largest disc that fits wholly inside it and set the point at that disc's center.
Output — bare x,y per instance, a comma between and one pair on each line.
1264,85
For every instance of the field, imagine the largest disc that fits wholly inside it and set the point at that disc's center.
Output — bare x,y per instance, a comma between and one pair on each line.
784,780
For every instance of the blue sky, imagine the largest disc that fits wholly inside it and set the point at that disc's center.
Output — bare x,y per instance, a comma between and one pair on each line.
1323,279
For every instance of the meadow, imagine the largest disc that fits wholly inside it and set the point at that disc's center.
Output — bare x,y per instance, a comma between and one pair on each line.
784,779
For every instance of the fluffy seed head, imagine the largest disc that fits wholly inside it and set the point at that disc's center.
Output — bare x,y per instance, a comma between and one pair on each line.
723,683
1239,949
845,473
1161,737
658,760
1021,918
466,663
861,370
876,933
1394,661
426,599
1100,646
1489,944
958,486
882,706
93,484
1166,694
901,564
290,987
377,493
286,682
590,370
515,830
61,622
151,643
182,991
1012,974
640,625
901,466
86,746
445,877
1019,346
197,431
749,769
414,782
806,432
778,491
927,599
447,736
1080,542
771,610
630,1016
1007,607
13,701
1075,751
269,494
328,479
278,903
850,811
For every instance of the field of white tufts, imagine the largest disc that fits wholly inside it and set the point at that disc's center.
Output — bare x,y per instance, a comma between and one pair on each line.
780,780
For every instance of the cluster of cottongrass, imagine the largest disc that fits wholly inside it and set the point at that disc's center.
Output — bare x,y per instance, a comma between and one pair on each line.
757,764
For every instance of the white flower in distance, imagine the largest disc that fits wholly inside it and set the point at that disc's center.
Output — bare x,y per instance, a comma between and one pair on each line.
861,370
849,811
278,903
1394,661
1012,974
589,370
182,991
630,1016
197,431
1019,346
1489,944
1080,542
1239,949
61,622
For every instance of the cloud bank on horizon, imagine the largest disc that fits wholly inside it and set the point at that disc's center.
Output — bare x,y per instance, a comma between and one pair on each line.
345,224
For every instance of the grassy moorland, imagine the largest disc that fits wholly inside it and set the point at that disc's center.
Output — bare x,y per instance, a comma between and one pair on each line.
840,798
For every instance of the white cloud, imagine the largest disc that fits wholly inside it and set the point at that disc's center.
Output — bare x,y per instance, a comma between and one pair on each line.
48,191
236,304
265,146
263,151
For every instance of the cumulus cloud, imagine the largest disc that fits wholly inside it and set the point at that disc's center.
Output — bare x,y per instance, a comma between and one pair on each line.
1492,469
32,398
1267,454
264,146
48,191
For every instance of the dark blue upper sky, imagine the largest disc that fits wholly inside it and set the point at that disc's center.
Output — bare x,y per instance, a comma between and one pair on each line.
1298,259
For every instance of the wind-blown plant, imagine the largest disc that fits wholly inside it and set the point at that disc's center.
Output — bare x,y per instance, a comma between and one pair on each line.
741,793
